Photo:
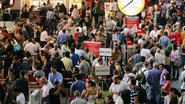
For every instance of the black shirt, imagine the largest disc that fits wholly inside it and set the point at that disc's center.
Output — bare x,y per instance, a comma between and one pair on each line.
54,99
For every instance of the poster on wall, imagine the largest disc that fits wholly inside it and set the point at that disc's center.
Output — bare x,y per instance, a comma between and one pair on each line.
93,47
108,7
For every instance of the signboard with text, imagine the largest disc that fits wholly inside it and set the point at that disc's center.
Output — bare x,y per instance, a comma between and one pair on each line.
102,70
93,47
105,52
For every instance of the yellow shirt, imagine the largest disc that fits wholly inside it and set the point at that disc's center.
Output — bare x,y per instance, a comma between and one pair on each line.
67,63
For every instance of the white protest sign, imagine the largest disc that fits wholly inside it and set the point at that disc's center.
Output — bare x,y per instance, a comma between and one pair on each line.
105,52
102,70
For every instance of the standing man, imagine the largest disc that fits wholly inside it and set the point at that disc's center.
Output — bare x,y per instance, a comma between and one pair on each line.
154,84
22,84
55,76
47,85
54,93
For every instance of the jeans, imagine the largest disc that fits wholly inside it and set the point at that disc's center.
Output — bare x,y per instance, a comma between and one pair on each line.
154,93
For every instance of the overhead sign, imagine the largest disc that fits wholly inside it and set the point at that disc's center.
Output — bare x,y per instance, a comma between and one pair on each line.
105,52
102,70
93,47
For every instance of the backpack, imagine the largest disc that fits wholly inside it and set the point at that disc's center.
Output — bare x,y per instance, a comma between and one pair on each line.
142,95
143,78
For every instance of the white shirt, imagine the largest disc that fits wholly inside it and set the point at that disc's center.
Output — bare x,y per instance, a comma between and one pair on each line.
146,73
52,52
154,33
115,6
32,48
80,29
80,52
182,79
159,58
117,88
146,53
20,99
75,13
65,48
78,100
167,99
45,89
43,36
125,77
84,28
50,15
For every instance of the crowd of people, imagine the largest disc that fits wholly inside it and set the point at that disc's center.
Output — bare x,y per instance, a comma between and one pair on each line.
49,44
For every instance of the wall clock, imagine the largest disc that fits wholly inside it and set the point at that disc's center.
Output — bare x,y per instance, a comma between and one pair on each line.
131,7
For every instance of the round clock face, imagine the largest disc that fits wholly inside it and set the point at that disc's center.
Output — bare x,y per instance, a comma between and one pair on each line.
131,7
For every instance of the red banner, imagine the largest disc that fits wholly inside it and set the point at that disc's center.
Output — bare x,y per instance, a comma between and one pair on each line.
131,21
93,47
89,2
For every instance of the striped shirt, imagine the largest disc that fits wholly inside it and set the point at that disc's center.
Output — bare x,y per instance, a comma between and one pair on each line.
133,93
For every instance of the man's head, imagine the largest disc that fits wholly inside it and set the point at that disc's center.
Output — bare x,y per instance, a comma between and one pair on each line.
155,64
116,79
22,73
161,66
77,93
43,81
53,69
82,58
100,61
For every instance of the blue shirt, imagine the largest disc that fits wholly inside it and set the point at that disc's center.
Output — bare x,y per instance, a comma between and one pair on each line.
62,37
164,41
55,77
78,85
75,59
121,38
154,77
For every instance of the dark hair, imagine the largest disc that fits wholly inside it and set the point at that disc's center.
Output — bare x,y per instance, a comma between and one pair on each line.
110,98
67,54
165,33
72,50
82,57
168,77
142,58
54,67
92,83
133,81
22,73
167,53
174,46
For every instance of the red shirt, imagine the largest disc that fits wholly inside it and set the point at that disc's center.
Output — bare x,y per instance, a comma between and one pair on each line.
167,86
76,37
178,38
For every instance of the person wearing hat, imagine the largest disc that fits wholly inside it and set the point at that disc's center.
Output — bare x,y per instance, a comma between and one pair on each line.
153,80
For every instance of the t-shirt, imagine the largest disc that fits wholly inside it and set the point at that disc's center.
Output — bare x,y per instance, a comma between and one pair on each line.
20,99
117,88
133,93
55,99
46,88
